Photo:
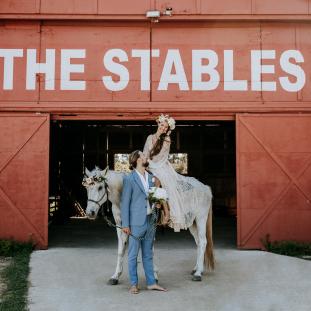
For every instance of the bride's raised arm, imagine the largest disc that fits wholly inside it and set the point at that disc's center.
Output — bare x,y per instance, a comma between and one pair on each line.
166,146
164,152
148,146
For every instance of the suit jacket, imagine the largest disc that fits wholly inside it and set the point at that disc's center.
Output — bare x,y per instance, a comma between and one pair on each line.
134,200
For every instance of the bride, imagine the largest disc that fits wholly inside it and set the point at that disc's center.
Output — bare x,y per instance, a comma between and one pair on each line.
185,194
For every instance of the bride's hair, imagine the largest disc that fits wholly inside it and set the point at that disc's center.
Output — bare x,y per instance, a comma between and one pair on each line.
158,145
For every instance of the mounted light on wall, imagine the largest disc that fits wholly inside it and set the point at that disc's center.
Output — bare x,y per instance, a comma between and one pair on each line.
155,15
168,12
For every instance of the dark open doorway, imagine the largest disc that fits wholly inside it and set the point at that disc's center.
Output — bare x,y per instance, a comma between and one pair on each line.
206,147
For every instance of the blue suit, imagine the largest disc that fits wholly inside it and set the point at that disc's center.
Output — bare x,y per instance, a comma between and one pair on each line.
134,215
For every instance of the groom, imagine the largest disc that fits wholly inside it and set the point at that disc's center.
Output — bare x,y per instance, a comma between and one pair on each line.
136,220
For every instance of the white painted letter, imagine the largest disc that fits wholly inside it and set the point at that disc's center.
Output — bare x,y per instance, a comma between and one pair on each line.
229,83
173,59
198,69
67,68
258,69
145,66
117,69
8,67
48,68
292,69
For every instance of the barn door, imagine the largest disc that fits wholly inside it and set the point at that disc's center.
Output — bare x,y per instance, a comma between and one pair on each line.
24,171
273,178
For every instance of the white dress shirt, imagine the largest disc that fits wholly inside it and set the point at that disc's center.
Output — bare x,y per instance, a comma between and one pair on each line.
145,182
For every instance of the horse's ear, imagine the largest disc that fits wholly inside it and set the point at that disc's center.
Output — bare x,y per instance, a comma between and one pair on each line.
87,172
105,171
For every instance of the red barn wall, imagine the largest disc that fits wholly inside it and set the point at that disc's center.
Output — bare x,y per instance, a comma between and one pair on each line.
96,27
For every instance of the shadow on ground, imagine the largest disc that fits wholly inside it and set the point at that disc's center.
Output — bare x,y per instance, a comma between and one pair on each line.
87,233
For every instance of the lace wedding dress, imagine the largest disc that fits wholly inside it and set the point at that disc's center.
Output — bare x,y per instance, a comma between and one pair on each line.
186,195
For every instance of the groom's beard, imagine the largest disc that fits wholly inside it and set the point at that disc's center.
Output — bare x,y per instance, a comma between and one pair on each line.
146,164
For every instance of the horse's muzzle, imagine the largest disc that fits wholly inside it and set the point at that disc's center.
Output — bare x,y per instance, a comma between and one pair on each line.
91,215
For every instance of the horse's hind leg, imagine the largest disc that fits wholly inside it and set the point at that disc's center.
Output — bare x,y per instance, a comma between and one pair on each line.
122,240
201,245
194,231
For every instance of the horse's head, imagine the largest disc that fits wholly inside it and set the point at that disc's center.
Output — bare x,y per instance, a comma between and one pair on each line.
96,186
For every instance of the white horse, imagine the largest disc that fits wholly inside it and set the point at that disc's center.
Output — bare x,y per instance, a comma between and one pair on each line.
99,184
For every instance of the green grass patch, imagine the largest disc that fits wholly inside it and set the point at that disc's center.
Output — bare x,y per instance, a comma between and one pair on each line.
15,275
288,248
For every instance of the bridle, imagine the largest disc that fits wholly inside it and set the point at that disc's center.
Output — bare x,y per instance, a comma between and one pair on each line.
98,202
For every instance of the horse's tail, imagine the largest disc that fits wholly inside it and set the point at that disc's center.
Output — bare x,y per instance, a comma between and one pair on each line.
209,251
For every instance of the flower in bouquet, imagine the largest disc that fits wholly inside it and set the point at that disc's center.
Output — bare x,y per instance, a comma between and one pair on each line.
157,195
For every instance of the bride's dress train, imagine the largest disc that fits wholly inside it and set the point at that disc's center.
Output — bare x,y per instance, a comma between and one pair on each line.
186,195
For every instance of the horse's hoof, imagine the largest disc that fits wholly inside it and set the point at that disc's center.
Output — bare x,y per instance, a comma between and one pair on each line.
197,278
113,282
193,272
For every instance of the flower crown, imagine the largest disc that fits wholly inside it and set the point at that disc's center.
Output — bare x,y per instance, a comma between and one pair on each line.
171,122
90,181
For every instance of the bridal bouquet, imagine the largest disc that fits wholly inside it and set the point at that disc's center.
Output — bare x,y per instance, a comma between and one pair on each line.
157,195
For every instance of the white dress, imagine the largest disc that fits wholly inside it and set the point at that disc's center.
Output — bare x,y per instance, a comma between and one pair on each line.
186,195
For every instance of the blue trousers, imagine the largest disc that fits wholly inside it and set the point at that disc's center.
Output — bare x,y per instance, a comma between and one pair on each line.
146,252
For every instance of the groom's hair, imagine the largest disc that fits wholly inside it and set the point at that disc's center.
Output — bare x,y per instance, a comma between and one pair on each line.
133,159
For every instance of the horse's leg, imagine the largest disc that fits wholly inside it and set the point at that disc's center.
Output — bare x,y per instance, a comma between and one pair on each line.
201,245
194,231
122,240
